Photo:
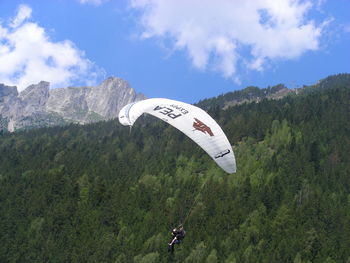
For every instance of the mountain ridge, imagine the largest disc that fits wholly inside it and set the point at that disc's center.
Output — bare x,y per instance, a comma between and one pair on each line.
39,106
256,94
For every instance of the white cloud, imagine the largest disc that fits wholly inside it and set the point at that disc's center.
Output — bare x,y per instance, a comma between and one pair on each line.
24,12
28,55
223,34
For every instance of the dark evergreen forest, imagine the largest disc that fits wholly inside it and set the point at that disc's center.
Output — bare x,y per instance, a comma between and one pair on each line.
103,193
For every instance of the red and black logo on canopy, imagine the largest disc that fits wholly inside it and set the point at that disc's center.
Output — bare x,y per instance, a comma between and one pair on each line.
200,126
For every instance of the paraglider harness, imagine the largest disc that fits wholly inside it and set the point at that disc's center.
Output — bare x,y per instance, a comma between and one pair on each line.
178,234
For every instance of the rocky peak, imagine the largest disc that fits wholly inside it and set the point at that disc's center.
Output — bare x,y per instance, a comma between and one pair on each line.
114,81
110,96
35,90
34,98
7,91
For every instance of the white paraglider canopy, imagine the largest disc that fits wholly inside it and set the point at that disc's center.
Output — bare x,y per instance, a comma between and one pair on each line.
191,120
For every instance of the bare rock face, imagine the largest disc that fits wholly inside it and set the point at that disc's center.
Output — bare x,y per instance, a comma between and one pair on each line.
108,98
33,99
38,106
7,92
8,97
70,103
9,106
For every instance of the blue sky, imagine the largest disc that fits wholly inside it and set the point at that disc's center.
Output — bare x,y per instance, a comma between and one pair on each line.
180,49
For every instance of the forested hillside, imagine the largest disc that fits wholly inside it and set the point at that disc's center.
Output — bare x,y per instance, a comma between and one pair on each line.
102,193
249,94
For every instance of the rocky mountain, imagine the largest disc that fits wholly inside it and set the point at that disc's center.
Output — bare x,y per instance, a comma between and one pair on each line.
39,106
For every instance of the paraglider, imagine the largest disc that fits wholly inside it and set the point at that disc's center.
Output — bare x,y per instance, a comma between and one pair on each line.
191,120
178,234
